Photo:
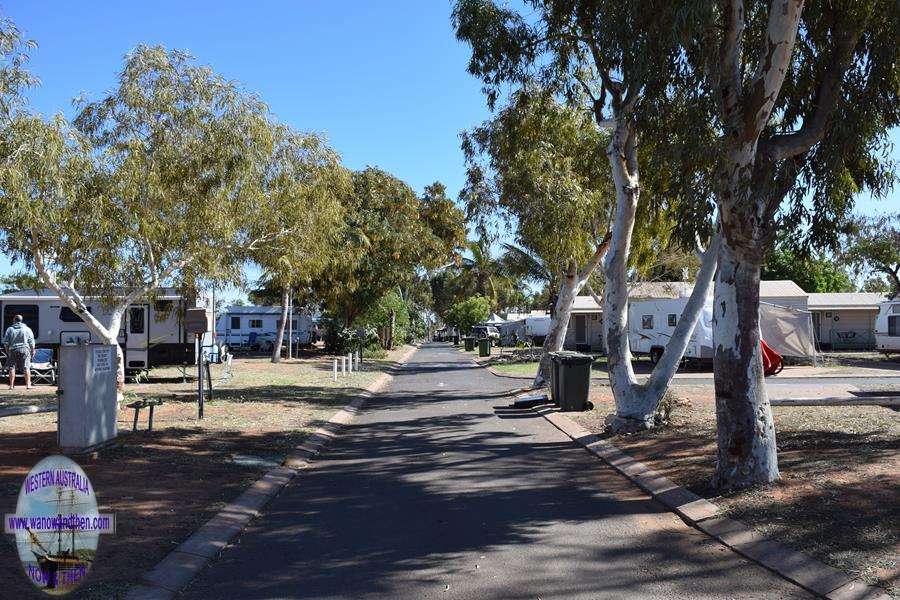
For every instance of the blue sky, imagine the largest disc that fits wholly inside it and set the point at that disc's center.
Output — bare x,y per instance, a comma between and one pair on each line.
386,81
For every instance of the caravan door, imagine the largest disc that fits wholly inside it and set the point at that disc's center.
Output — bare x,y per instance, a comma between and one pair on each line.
137,338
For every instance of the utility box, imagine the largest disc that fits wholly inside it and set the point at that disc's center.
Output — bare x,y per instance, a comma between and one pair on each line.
86,412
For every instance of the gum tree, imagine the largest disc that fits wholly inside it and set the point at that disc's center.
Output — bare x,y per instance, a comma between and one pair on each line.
804,97
612,59
389,234
533,166
303,184
158,182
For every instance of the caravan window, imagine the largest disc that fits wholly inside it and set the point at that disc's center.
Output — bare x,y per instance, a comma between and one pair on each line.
255,323
673,319
646,321
67,315
29,314
894,326
235,322
136,319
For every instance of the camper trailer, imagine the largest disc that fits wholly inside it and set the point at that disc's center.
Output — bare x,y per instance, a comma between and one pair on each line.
530,329
151,335
256,327
651,323
887,327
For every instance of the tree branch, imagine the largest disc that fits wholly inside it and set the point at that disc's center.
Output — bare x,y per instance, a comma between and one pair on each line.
730,54
825,101
596,258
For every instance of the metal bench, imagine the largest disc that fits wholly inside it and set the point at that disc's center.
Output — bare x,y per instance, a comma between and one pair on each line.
138,405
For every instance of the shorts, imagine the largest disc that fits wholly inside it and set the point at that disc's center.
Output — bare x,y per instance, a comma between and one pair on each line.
19,359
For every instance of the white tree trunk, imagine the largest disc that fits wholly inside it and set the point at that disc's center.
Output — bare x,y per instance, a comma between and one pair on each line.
279,337
622,155
573,281
747,452
559,324
636,406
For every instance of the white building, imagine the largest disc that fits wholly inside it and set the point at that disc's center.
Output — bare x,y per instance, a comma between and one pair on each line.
845,321
585,331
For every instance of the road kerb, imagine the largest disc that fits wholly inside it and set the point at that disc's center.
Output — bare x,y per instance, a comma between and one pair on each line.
185,562
796,567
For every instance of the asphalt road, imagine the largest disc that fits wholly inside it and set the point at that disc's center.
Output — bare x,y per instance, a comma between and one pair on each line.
438,490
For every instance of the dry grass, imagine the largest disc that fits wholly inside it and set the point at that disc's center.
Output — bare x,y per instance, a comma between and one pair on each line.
163,484
840,487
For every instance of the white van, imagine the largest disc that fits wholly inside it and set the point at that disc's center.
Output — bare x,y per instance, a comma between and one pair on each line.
887,326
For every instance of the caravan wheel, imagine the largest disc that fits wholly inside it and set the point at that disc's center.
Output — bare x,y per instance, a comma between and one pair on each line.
655,355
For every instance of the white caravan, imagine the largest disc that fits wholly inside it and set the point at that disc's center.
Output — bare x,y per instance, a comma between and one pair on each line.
533,329
256,327
652,322
887,326
151,335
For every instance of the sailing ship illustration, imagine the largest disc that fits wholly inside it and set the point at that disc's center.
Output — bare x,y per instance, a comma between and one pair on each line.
61,559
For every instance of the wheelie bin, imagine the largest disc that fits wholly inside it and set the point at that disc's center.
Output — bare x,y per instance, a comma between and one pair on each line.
469,341
573,380
484,347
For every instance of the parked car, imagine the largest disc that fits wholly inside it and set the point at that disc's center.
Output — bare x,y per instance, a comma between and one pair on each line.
480,332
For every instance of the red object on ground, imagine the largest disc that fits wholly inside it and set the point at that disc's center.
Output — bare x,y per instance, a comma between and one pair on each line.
772,363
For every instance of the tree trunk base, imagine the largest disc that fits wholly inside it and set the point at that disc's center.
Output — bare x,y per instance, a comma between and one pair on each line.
620,425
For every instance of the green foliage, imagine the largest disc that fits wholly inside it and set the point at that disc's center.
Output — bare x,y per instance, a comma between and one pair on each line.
469,312
872,249
391,308
591,55
538,165
303,185
389,234
20,280
157,183
812,274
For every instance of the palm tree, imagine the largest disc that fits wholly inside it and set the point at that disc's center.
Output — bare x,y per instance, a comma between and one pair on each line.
483,273
524,264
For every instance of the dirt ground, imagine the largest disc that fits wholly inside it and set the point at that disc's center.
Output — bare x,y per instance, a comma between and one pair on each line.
164,484
840,488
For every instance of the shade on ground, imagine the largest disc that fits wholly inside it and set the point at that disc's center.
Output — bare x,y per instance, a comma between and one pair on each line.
438,490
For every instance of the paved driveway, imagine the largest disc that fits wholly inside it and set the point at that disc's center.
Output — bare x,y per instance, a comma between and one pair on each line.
438,490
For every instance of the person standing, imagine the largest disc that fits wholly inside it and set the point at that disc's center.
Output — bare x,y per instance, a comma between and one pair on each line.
19,343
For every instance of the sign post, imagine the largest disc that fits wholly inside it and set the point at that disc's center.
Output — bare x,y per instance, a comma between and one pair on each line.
198,322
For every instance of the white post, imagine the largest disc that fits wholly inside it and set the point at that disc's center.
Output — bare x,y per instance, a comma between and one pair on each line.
290,324
343,365
335,369
350,361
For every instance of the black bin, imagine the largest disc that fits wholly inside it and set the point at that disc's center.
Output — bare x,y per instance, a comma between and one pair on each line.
572,374
469,341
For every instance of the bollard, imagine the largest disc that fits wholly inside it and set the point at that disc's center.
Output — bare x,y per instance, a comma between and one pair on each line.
335,369
343,365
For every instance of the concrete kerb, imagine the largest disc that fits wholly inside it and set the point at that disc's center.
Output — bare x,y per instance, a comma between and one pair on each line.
796,567
184,563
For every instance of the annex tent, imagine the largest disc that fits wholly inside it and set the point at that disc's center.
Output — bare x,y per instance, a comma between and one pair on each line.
494,319
787,330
